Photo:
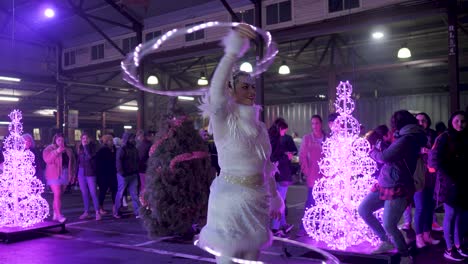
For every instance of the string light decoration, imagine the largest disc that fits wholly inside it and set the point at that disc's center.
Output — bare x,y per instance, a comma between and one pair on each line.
21,203
347,170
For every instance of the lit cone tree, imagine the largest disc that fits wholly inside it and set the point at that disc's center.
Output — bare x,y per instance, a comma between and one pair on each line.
178,179
21,203
347,170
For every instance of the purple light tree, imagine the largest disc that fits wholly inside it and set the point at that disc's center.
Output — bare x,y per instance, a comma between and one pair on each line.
21,203
347,168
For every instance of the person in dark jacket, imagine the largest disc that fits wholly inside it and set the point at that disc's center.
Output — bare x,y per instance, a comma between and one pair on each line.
395,183
282,151
87,175
143,146
106,171
127,172
449,156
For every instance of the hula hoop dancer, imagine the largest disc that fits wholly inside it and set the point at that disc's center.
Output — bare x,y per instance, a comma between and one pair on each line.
243,198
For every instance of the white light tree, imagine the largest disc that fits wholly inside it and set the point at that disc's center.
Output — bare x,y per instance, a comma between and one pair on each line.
21,203
347,170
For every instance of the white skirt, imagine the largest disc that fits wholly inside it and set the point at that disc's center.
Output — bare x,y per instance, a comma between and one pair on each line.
238,218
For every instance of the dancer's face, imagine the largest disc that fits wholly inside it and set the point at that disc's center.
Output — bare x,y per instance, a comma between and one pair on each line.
60,141
244,91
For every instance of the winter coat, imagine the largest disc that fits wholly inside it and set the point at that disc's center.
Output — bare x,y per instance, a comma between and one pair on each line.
127,157
279,149
105,164
53,161
87,159
143,155
400,158
309,156
449,156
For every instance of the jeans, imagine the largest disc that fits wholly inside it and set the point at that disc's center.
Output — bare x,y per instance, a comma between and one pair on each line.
407,215
282,191
132,182
310,202
454,225
393,210
88,186
104,185
424,209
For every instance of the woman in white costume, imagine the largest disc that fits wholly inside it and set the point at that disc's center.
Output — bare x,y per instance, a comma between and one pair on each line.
243,198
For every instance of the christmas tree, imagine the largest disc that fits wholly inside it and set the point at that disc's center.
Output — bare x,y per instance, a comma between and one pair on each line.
178,179
21,203
347,171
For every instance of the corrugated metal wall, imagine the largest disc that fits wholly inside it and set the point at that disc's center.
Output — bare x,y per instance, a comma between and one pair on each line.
371,112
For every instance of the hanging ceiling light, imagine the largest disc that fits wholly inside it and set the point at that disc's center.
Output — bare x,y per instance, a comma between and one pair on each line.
202,81
152,80
284,69
246,67
377,35
404,52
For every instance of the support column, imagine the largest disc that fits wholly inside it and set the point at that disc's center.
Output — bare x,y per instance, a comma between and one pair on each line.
331,91
60,107
103,122
141,75
260,81
454,79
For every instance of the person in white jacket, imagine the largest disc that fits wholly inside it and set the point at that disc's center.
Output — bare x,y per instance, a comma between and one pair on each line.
243,198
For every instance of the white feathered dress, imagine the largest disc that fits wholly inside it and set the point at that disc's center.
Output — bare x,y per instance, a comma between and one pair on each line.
243,195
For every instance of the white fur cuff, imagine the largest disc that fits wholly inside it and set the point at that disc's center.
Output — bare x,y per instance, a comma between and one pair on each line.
234,44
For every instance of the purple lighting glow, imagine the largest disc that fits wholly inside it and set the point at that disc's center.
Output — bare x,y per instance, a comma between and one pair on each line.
347,170
49,12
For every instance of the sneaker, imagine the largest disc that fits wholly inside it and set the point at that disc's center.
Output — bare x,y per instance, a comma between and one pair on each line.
429,240
453,255
85,215
117,216
384,247
463,251
279,233
406,260
102,212
59,218
287,228
437,227
98,217
420,242
406,226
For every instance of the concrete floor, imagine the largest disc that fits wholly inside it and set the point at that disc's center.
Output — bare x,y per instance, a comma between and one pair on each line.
119,241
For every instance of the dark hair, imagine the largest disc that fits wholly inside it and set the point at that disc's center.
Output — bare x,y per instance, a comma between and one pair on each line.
57,135
274,130
440,127
280,123
316,116
332,117
450,126
429,121
381,130
373,136
402,118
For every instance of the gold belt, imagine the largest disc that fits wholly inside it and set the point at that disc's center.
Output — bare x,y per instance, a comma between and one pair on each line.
248,181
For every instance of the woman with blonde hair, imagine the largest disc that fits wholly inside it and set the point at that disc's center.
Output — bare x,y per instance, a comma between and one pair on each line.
60,170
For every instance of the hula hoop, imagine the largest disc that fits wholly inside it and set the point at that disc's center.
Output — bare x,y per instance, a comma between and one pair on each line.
131,63
329,256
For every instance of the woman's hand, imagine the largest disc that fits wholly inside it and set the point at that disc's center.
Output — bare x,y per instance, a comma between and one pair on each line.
245,31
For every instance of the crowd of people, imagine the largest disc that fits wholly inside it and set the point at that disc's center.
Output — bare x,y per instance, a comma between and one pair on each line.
97,167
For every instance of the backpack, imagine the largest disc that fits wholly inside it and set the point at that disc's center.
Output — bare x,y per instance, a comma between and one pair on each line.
419,175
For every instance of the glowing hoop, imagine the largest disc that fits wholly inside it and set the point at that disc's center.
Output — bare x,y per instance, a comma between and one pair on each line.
131,63
330,259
